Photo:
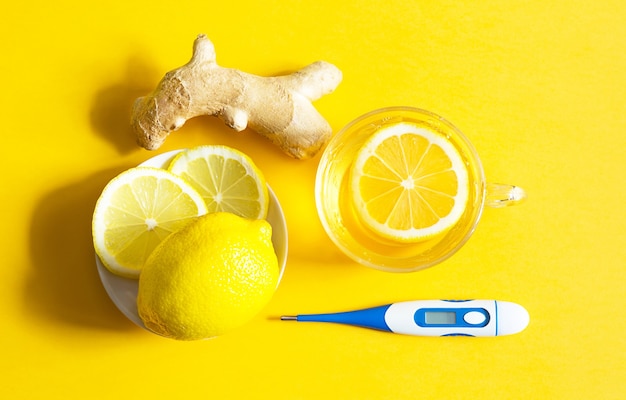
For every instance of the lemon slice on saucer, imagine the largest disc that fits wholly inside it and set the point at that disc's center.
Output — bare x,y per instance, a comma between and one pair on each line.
226,178
136,211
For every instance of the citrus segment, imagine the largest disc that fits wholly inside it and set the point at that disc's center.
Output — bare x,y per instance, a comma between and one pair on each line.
227,179
409,183
136,211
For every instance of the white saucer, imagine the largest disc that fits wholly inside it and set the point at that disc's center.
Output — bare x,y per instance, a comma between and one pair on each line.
123,291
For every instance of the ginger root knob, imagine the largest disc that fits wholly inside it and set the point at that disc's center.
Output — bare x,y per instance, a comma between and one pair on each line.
279,108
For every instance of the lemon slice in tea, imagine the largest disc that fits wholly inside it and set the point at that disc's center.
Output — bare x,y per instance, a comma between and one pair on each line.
136,211
408,183
226,178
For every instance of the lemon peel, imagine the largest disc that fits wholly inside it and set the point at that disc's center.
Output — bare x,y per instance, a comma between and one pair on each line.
209,278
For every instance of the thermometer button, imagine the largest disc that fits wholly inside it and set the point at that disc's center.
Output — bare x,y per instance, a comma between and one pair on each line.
474,317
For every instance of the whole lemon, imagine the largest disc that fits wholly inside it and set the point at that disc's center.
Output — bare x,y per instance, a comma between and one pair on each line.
210,277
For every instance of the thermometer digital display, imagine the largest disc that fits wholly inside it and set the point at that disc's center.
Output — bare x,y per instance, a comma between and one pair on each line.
440,317
433,318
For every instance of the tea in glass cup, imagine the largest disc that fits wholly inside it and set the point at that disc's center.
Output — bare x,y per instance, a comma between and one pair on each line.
401,189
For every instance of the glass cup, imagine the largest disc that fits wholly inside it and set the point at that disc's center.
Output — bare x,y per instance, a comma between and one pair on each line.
342,224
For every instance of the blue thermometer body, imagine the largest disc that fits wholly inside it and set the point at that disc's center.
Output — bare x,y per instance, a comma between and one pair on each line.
433,318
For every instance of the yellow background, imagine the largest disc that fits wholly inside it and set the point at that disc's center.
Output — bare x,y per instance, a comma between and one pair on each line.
537,86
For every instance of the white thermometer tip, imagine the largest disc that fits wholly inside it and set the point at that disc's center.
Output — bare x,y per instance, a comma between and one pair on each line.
512,318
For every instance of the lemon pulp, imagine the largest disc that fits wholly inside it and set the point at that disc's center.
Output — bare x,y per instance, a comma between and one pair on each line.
136,211
408,183
227,179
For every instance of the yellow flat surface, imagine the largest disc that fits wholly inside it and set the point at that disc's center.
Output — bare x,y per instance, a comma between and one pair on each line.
537,86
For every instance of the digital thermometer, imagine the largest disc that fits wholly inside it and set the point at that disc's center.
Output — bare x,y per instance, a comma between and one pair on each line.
433,318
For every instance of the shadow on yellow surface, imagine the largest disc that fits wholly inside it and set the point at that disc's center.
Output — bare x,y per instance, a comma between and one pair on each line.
64,285
112,105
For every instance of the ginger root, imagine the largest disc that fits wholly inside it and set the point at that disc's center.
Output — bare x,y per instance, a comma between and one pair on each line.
278,107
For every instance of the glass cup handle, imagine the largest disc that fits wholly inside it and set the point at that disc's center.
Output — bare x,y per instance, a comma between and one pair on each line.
499,195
